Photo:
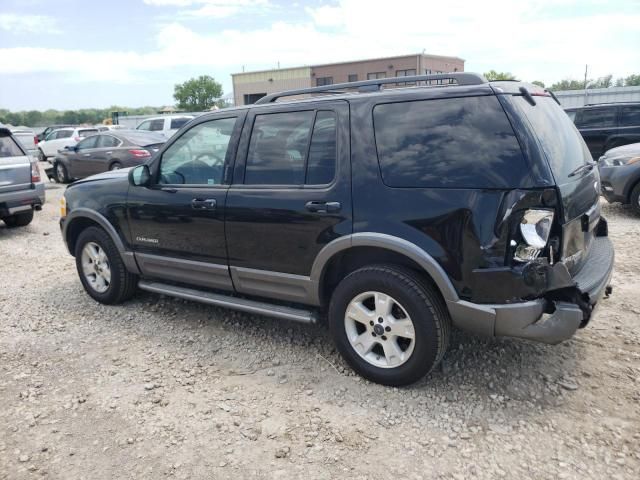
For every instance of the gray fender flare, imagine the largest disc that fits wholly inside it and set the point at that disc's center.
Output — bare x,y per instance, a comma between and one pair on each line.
389,242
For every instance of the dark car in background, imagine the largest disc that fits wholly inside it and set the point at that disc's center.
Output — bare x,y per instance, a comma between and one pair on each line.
105,151
620,175
607,126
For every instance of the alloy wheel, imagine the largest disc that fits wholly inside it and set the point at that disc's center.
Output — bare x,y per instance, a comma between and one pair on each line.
95,267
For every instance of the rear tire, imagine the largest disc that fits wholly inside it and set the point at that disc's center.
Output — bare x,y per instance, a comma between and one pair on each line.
115,166
389,324
101,269
19,219
635,199
60,173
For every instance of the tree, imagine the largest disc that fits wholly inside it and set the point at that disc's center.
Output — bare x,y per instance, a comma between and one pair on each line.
619,82
492,75
632,81
568,84
538,83
197,94
602,82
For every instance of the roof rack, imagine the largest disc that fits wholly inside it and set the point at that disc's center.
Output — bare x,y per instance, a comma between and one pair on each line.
461,78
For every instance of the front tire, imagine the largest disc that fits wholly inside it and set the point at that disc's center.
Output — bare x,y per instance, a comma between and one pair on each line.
115,166
19,219
101,269
60,172
389,324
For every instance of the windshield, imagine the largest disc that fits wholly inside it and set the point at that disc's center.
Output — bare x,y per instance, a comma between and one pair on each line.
560,140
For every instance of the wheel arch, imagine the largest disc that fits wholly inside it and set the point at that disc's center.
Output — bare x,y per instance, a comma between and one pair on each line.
348,253
82,218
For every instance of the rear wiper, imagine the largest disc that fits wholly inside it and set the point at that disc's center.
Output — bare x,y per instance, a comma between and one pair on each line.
582,168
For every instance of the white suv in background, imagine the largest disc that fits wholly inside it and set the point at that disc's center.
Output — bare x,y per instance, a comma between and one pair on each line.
165,125
60,138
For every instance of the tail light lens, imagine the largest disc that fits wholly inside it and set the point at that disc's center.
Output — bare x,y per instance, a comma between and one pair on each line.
535,228
140,153
35,172
77,139
35,140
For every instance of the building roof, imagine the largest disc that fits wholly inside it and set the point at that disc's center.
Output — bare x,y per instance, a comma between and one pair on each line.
364,60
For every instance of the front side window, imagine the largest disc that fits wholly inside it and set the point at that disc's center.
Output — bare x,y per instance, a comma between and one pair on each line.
198,156
630,116
144,125
597,118
278,148
89,142
157,125
9,148
448,143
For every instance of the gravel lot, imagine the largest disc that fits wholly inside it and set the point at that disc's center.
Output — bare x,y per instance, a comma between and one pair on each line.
166,388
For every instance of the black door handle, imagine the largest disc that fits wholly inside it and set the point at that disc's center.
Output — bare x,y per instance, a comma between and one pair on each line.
203,204
323,207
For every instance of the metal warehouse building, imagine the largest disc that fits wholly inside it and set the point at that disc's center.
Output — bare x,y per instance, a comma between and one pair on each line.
249,87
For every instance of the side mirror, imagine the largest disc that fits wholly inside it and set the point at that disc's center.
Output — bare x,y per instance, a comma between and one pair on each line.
140,176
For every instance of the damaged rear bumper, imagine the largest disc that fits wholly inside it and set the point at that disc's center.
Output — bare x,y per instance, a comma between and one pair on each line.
552,318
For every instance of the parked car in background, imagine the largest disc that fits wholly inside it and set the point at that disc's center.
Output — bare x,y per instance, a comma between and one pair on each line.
399,214
27,138
607,126
105,151
42,135
60,138
21,189
620,175
166,125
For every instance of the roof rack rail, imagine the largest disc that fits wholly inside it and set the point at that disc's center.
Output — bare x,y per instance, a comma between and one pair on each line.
461,78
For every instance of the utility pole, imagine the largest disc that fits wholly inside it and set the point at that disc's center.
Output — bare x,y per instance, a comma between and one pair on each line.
586,67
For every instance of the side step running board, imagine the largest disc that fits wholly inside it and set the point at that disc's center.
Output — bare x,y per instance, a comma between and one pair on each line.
242,304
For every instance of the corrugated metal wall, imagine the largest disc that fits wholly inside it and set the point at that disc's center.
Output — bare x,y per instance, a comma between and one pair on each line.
578,98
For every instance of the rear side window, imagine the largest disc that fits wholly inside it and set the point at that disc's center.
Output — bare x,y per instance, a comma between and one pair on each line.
557,135
451,143
630,116
278,148
9,148
177,123
62,134
596,118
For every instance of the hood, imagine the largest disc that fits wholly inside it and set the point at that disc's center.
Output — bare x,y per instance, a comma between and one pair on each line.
105,176
632,149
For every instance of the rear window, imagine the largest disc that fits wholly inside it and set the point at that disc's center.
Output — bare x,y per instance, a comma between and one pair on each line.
596,118
560,140
178,122
86,133
450,143
9,148
630,116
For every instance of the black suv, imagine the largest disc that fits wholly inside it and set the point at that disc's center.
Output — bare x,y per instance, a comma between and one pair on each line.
607,126
395,213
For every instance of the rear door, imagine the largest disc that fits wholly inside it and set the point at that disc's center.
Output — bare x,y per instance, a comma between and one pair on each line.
597,124
291,195
629,130
15,168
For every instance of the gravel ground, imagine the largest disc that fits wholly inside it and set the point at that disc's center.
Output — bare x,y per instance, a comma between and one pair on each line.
166,388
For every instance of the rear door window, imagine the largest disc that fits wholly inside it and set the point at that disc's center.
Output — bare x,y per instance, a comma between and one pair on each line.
107,141
450,143
9,148
321,166
558,137
157,125
597,118
630,116
89,142
62,134
177,123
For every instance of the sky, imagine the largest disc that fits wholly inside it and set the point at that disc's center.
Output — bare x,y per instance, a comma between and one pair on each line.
68,54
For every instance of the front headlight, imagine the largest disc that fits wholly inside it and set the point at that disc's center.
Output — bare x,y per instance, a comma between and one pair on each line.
620,161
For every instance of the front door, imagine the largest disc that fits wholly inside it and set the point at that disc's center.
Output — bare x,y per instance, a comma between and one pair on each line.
291,195
177,223
81,159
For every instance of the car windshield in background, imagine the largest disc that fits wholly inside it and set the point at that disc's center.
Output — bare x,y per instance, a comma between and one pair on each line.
86,133
562,143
